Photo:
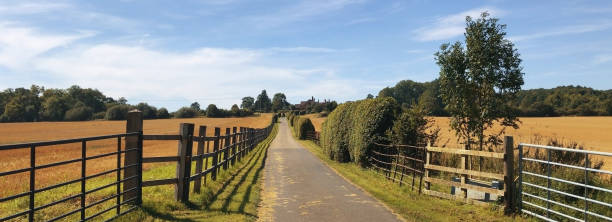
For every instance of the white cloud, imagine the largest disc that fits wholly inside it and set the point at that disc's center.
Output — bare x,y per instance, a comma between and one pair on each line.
300,12
140,73
303,49
360,20
604,58
567,30
18,45
22,7
450,26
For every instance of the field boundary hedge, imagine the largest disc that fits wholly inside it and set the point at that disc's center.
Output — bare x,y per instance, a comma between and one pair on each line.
350,131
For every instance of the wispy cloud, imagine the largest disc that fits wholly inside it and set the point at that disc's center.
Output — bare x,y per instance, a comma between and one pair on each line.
156,75
360,20
302,49
18,45
23,7
414,51
450,26
604,58
567,30
300,12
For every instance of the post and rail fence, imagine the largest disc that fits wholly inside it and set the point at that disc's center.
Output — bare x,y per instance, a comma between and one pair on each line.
315,136
226,149
397,162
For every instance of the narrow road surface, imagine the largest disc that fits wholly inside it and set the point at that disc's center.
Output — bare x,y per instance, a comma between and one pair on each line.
299,187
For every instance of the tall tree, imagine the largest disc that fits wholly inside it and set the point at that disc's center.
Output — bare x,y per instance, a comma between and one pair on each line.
279,101
477,82
195,106
263,103
247,103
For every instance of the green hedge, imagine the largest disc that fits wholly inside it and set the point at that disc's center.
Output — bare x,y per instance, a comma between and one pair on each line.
302,126
351,129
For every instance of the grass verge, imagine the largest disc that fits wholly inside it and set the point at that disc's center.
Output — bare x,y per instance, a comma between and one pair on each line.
408,203
233,197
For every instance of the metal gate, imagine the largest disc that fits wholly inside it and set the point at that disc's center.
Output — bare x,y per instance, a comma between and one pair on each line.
548,188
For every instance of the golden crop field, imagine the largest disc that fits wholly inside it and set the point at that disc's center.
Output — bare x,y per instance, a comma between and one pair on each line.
316,120
592,133
11,133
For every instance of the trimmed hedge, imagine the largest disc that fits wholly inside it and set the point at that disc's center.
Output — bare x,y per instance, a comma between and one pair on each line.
351,129
302,126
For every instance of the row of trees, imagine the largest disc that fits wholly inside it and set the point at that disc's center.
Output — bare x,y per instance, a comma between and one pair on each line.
559,101
78,104
194,110
263,103
71,104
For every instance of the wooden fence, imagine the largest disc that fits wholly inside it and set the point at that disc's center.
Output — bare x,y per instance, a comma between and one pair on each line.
315,136
226,149
397,162
466,174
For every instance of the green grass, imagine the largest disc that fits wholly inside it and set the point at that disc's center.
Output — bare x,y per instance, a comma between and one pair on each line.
233,197
406,202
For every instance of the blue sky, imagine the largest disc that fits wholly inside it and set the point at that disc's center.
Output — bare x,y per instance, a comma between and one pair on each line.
170,53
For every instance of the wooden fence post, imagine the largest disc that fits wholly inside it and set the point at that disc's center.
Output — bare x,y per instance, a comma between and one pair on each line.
226,149
183,167
234,131
249,141
215,153
241,144
508,174
134,124
198,181
427,158
464,166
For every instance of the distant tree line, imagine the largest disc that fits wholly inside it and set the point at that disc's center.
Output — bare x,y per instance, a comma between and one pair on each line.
559,101
263,104
71,104
314,106
79,104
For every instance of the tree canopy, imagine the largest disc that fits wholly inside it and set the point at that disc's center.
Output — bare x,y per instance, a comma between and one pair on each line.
279,102
478,81
263,103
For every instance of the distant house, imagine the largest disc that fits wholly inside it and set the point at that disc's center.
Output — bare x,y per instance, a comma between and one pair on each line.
313,105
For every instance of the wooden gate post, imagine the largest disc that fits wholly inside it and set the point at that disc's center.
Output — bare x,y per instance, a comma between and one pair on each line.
241,144
465,163
133,157
215,159
198,181
183,167
508,174
425,165
226,149
234,130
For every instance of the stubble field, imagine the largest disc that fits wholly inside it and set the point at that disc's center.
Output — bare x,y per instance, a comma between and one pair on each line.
11,133
592,133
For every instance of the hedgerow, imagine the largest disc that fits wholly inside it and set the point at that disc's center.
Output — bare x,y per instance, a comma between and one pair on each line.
302,126
351,129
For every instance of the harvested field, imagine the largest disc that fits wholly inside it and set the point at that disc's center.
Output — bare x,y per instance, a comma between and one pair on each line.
316,120
43,131
593,133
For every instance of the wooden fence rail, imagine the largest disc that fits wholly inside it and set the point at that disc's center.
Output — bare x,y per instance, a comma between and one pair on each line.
398,162
236,145
314,136
466,174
